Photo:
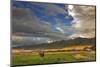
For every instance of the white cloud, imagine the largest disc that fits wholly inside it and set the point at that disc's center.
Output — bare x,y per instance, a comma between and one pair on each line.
60,29
84,20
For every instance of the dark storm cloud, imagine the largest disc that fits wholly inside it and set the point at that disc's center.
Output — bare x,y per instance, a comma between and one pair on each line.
20,39
28,29
42,34
24,21
24,40
35,23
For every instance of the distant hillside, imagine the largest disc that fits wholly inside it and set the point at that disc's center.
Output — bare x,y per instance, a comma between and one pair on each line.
62,43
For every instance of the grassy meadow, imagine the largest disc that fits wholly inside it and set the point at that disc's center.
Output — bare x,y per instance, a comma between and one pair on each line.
52,57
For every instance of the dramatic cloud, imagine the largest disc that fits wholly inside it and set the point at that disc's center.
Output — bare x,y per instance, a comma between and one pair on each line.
20,39
24,40
84,22
35,23
51,9
23,21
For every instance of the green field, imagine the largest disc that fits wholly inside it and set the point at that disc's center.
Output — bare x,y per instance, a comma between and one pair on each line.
53,57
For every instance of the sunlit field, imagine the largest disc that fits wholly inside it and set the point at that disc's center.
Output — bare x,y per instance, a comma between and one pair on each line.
53,57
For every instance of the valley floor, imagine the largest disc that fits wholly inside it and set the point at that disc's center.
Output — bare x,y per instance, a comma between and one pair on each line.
51,57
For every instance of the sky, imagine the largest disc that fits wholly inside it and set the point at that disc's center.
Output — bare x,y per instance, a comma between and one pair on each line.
35,23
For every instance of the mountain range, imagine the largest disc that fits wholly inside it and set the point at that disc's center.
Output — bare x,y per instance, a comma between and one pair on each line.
61,44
